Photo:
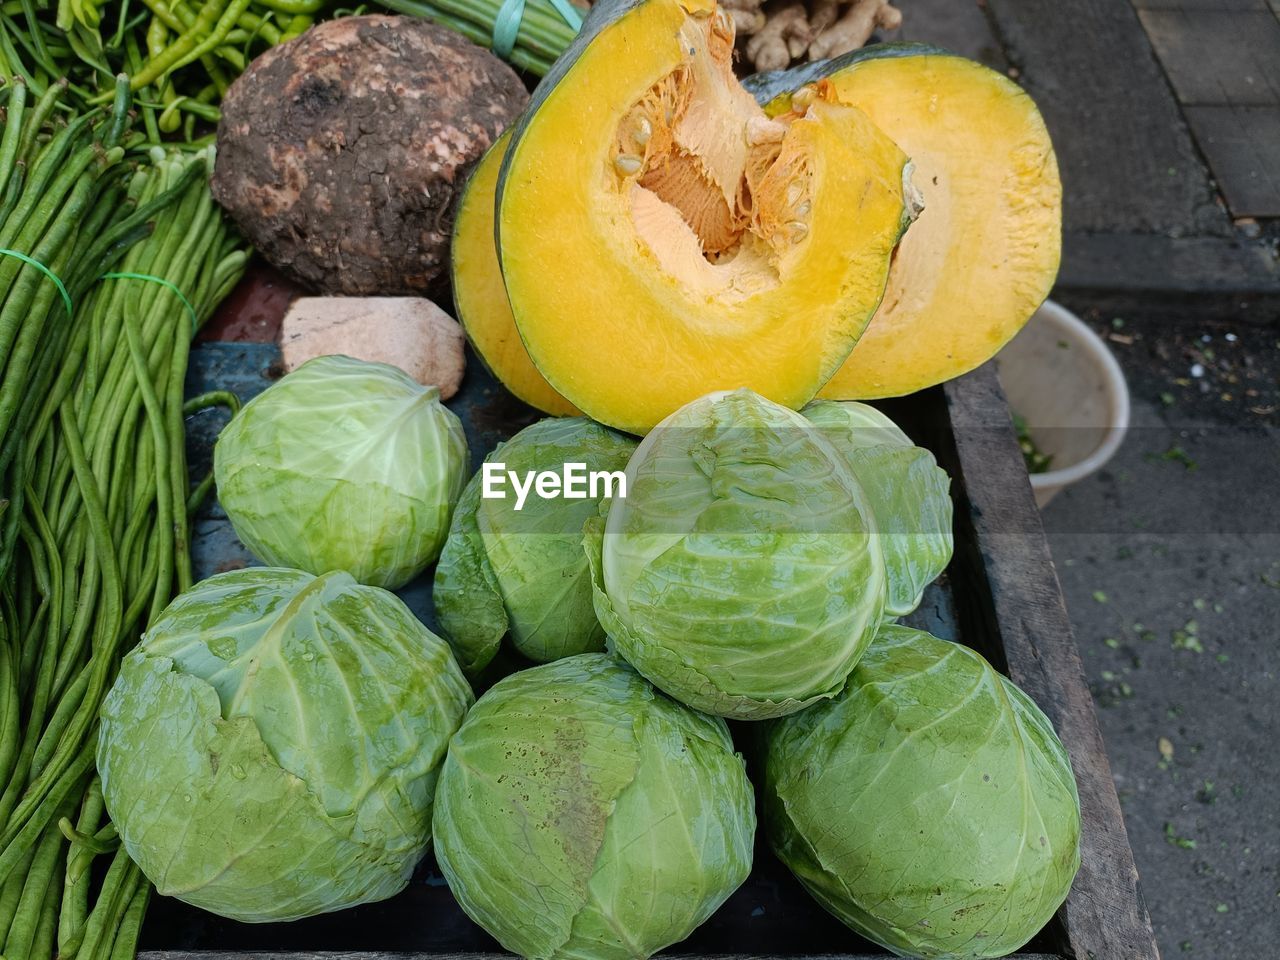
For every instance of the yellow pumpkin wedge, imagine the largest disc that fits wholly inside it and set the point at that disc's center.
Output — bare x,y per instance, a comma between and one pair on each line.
481,298
660,237
984,252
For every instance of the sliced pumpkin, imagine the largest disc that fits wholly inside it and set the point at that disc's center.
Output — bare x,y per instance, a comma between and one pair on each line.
481,298
660,237
985,251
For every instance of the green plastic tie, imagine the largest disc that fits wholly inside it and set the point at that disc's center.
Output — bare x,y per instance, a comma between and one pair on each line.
62,289
506,25
125,275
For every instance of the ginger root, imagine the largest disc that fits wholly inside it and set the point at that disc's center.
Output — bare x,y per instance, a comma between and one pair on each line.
773,36
784,37
861,19
747,15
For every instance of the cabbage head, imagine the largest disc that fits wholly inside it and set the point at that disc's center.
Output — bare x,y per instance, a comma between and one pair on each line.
741,574
343,465
909,495
523,571
930,806
270,749
582,814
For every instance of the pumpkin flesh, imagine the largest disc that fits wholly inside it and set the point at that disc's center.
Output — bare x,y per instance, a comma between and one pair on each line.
660,237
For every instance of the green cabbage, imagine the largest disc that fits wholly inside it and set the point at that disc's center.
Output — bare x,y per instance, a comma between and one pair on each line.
343,465
930,806
523,571
582,814
270,749
909,495
741,574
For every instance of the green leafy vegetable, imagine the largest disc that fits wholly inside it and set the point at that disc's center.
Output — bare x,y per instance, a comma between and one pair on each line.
520,568
270,749
580,813
909,495
343,465
741,574
930,806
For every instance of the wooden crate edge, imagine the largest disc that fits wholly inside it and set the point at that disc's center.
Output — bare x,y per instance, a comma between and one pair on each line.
1105,914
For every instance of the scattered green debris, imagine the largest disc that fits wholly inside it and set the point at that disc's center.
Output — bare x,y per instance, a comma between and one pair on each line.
1222,658
1171,838
1037,460
1198,603
1117,323
1112,642
1165,746
1207,793
1185,946
1175,454
1124,553
1166,398
1099,596
1187,638
1222,908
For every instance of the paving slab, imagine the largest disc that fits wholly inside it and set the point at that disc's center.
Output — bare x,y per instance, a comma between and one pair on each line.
1170,563
1220,5
1242,144
1127,158
1218,57
961,27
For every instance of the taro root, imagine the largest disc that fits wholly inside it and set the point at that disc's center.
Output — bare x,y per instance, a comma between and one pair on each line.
340,153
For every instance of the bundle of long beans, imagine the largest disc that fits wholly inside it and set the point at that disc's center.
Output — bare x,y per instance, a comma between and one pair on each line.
537,31
97,492
180,55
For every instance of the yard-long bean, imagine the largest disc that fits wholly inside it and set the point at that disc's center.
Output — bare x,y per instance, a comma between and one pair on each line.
94,492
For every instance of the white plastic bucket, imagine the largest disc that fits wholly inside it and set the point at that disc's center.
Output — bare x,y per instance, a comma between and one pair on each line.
1062,380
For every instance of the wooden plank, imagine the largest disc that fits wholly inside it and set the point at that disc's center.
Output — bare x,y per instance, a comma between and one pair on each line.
1242,145
1213,57
1104,915
1151,263
1127,159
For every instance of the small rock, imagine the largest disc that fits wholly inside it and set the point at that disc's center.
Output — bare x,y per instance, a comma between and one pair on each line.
1249,227
408,332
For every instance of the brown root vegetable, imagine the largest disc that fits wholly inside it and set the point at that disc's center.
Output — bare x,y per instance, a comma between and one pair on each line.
783,32
340,153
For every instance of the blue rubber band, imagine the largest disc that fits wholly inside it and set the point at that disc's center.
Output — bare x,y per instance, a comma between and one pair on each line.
568,13
124,275
66,297
506,25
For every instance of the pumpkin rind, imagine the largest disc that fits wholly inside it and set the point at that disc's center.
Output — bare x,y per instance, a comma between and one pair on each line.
481,298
